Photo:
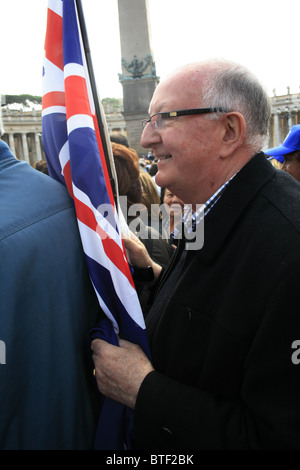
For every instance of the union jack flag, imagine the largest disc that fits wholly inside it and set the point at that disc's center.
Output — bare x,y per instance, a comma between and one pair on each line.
75,157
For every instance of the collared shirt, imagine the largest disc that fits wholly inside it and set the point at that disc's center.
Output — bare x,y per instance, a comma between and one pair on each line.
190,219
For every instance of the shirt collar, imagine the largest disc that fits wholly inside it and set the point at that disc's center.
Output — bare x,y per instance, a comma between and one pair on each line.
190,218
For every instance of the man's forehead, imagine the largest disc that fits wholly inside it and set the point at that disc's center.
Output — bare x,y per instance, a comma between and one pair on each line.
161,98
167,98
178,91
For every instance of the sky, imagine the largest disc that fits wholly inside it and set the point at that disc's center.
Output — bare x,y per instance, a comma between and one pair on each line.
258,34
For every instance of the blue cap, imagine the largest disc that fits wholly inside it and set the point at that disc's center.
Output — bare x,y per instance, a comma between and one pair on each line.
290,144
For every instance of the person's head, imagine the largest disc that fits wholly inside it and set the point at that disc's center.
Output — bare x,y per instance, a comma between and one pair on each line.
169,198
41,165
153,169
288,153
197,153
174,204
291,164
172,209
149,194
119,138
127,168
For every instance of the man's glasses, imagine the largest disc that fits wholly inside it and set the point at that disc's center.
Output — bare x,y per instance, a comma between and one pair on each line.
158,120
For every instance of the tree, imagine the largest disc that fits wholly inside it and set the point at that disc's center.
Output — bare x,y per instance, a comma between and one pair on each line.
22,99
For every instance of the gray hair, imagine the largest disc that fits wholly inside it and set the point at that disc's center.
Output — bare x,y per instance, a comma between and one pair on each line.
235,88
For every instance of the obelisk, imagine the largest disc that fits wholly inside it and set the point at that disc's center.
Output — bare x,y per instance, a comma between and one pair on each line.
138,76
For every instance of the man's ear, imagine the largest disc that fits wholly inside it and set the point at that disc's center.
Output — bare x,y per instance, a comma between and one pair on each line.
234,132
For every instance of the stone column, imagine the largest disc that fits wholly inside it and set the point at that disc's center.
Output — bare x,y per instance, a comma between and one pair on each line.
290,121
276,129
37,147
12,143
25,148
138,76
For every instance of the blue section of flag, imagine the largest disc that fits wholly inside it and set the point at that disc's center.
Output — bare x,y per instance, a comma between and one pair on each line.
71,43
54,137
87,171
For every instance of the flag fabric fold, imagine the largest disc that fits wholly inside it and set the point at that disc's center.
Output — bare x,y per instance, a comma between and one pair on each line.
75,156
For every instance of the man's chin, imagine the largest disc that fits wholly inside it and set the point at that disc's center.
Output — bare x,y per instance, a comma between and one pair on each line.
161,180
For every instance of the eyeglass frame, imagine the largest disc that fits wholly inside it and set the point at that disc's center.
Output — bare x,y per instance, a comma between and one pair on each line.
183,112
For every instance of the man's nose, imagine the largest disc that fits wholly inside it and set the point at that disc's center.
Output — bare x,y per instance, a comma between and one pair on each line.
149,136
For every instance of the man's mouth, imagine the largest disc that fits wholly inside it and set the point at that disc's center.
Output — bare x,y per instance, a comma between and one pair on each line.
164,157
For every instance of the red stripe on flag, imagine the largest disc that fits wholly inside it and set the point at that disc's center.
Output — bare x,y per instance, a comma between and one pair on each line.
116,255
87,217
111,248
103,162
77,100
68,178
54,39
54,98
107,180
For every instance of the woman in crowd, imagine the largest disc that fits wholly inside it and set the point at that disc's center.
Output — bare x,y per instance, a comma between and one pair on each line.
174,211
130,185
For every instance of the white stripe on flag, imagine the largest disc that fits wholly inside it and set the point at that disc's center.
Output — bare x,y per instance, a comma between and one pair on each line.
74,69
106,311
124,290
103,222
54,109
56,6
78,121
53,79
64,155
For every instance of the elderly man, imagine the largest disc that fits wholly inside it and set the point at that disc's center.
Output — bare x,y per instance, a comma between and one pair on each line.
224,326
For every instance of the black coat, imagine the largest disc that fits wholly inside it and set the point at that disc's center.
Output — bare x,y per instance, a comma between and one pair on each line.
223,343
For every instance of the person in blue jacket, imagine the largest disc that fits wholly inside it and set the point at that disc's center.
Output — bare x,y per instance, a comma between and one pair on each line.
47,400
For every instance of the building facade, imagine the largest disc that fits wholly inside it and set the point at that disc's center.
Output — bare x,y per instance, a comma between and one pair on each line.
23,134
285,114
23,130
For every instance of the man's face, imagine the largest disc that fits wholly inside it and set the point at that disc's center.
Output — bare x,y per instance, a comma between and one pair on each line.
186,147
292,164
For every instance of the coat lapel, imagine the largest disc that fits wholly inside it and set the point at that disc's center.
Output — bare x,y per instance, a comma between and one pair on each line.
242,189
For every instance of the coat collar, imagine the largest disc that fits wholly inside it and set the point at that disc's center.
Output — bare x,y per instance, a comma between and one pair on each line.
239,193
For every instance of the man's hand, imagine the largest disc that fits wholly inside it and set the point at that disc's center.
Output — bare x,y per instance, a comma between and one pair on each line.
121,370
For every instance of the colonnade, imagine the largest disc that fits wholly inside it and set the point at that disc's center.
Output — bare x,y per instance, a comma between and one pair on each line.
23,132
25,146
285,114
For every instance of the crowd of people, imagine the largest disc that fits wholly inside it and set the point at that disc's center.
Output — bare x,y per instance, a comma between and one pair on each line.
221,320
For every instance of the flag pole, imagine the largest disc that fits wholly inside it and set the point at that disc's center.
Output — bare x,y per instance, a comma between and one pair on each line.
100,118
